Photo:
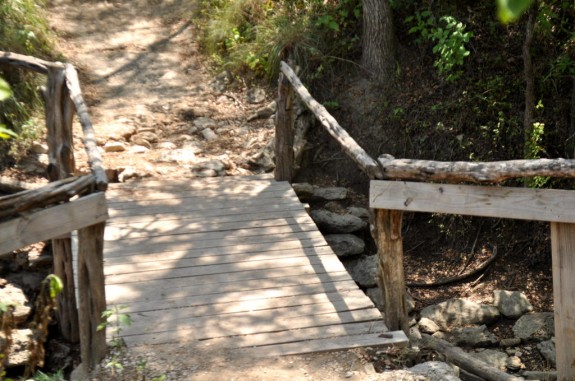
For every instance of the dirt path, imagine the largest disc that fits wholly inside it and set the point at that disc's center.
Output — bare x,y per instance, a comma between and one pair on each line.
150,93
150,96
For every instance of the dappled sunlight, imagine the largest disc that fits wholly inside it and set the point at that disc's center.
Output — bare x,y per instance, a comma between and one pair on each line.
232,259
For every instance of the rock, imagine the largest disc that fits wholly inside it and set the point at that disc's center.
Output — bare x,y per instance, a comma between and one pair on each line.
535,326
330,194
329,222
510,342
436,371
166,145
145,136
472,337
114,147
129,173
117,130
362,213
138,149
222,81
364,271
182,156
409,303
492,357
138,140
14,296
209,168
264,112
204,122
514,363
539,375
511,304
255,95
304,191
345,245
39,148
18,353
428,326
206,173
460,312
208,134
376,297
547,350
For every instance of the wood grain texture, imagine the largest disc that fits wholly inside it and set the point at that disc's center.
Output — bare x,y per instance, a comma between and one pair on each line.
284,137
239,267
501,202
563,253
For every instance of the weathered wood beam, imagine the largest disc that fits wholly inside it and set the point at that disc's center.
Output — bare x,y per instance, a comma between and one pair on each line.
473,200
466,361
52,222
475,172
47,195
284,138
94,158
348,145
563,258
10,185
28,62
390,274
91,294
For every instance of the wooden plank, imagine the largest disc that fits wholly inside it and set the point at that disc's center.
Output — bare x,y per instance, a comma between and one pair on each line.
563,253
40,226
288,249
245,324
142,198
136,264
267,338
187,242
320,263
501,202
157,320
391,338
149,301
131,292
174,227
222,182
142,216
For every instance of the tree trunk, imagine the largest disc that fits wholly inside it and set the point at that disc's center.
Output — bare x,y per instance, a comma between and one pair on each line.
529,83
378,39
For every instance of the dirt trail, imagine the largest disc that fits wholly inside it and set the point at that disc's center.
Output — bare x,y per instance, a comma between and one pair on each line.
141,72
149,90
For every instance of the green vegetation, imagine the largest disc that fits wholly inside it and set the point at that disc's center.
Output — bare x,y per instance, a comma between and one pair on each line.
24,30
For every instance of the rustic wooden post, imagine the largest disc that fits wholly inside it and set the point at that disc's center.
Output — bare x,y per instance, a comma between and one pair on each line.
59,116
390,275
563,256
284,131
91,294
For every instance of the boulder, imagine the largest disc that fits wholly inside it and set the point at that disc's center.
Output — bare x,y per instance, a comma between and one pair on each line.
460,312
364,271
492,357
428,326
18,354
329,222
376,297
535,326
547,350
471,337
114,147
304,191
14,296
345,245
362,213
255,95
511,304
208,134
203,123
330,193
436,371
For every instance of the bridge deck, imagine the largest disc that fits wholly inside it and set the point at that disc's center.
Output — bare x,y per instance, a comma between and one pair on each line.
235,261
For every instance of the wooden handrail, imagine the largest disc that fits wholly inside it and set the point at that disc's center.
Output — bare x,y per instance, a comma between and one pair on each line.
27,62
349,146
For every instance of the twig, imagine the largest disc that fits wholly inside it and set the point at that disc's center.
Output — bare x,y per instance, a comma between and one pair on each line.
472,252
457,278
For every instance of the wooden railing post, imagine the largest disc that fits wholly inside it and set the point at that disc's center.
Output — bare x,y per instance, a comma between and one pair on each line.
59,116
563,257
390,274
91,294
284,139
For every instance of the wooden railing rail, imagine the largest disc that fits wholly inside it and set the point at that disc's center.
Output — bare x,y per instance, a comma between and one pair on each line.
54,211
389,199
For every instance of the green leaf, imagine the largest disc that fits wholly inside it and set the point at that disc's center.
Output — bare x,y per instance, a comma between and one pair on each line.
56,285
510,10
5,91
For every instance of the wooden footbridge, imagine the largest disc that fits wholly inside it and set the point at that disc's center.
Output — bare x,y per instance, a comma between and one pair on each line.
234,262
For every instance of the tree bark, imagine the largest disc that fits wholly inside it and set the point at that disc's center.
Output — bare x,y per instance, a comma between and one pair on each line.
529,82
378,55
